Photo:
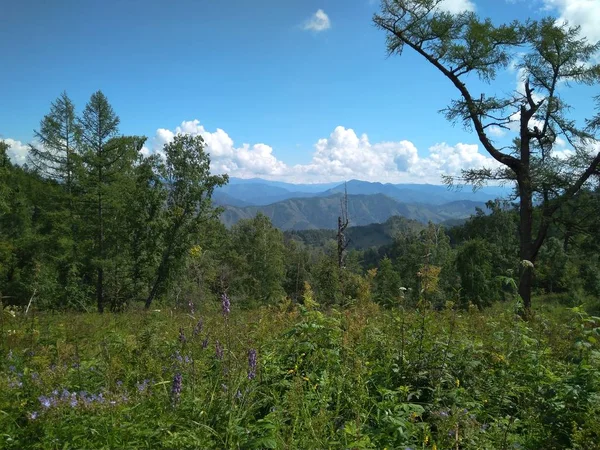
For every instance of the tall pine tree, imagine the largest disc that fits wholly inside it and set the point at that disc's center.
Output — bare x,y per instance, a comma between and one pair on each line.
101,155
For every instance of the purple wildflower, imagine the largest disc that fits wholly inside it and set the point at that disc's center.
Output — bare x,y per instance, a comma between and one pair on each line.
176,387
182,338
45,401
198,328
219,350
225,305
141,387
205,342
33,415
238,394
73,401
251,364
177,357
12,368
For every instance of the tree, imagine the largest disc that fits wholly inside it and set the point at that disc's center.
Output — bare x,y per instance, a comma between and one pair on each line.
387,284
55,156
4,168
551,56
474,266
189,184
99,124
261,251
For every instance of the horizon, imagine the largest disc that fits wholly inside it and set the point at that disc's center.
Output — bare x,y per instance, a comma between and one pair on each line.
301,93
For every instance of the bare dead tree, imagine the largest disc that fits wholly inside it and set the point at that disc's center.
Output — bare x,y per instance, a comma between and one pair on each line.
343,221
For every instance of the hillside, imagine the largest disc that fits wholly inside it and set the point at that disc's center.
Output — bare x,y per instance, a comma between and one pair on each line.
359,237
322,212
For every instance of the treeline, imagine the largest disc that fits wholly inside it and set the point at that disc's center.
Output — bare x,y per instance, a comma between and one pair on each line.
91,220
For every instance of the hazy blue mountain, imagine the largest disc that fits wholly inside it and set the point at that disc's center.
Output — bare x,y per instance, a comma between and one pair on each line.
291,187
419,193
261,192
322,212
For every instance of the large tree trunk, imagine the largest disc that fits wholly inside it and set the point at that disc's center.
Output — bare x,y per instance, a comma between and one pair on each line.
525,242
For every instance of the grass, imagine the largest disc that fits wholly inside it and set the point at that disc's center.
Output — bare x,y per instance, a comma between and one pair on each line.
358,378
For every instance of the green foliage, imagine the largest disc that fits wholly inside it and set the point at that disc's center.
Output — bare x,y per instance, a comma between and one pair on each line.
474,266
359,378
387,290
259,250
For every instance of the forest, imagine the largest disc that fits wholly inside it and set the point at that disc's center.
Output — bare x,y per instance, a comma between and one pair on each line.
134,316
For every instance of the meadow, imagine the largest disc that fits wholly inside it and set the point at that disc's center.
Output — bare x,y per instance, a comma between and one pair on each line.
293,377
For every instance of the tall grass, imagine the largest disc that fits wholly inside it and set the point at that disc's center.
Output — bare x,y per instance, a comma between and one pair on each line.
357,378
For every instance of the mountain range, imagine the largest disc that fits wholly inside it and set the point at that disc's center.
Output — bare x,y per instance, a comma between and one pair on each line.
258,192
311,207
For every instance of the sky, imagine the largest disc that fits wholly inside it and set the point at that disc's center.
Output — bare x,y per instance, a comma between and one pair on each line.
290,90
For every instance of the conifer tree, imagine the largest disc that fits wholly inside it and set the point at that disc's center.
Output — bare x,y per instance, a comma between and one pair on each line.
101,156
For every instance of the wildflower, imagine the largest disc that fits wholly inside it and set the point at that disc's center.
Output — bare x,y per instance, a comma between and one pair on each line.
182,338
198,328
33,415
176,387
219,350
177,357
251,364
141,387
73,401
119,383
224,387
205,342
45,401
191,306
238,394
225,305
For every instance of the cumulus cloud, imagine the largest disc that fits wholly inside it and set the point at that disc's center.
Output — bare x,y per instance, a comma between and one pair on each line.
584,13
319,21
457,6
17,151
342,155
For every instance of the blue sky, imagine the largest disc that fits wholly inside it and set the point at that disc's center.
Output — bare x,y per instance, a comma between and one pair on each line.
299,82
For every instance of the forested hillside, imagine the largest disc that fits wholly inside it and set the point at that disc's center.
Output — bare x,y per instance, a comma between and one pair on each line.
322,212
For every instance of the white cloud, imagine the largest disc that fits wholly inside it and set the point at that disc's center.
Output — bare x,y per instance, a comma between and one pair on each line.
319,21
343,155
496,132
585,13
17,151
457,6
